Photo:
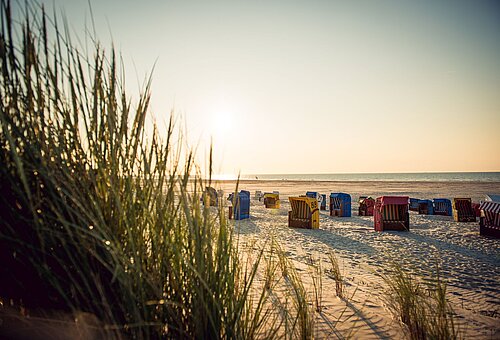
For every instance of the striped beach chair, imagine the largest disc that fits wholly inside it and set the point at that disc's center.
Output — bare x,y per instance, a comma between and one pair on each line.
462,210
489,222
425,207
272,200
366,205
442,206
240,205
391,213
304,213
340,204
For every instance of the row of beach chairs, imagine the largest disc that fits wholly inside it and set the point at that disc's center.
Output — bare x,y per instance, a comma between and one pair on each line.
389,212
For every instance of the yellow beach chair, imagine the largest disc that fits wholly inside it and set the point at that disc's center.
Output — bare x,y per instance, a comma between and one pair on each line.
304,213
272,201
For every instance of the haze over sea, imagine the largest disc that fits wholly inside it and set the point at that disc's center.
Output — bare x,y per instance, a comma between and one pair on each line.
389,177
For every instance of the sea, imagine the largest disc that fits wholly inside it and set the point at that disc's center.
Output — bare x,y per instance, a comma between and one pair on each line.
389,177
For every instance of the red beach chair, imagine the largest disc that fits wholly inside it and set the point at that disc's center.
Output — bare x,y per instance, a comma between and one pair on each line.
366,205
391,213
463,211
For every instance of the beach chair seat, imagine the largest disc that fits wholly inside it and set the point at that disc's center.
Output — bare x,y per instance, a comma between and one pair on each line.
463,211
304,213
272,200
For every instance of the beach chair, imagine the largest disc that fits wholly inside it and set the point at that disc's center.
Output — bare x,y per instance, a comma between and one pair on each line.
442,206
210,197
240,208
462,210
366,205
391,213
259,195
272,200
425,207
489,222
413,204
304,213
340,204
317,196
322,205
477,210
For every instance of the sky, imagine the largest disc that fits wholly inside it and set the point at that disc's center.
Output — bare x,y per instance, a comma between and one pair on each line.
316,86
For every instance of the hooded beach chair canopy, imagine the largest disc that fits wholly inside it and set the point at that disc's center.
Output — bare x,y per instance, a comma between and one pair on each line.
386,200
491,211
493,198
314,194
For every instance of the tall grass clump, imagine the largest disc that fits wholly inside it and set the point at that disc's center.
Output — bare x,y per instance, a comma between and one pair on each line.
97,217
336,274
300,315
316,271
423,309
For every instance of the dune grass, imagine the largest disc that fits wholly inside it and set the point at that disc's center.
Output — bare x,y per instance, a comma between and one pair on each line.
336,274
423,309
99,218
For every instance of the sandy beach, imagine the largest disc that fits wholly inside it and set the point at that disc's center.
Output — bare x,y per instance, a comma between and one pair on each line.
468,262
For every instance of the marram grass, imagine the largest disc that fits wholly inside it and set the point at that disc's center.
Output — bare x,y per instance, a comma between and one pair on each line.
97,218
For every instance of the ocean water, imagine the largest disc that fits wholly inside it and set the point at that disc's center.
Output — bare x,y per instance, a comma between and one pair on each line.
389,177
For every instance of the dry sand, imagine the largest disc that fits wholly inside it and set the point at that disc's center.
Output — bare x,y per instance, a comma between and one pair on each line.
469,263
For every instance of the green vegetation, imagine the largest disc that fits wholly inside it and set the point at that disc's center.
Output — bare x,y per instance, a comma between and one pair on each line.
424,310
97,217
336,274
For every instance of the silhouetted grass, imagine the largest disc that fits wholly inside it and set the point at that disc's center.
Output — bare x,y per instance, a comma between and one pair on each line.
336,274
97,217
